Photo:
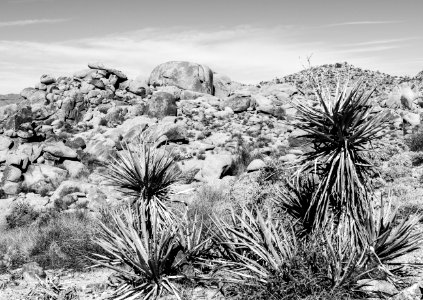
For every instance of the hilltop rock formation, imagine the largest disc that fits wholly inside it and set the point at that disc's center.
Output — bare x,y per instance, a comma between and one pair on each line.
62,129
184,75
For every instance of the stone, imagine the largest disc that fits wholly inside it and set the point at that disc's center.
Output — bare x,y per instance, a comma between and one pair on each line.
161,105
137,88
394,99
237,103
32,272
75,168
411,118
221,85
184,75
288,158
83,73
100,66
11,188
173,132
215,166
19,160
47,79
378,286
37,97
27,92
5,143
413,292
39,177
407,96
12,174
59,149
255,165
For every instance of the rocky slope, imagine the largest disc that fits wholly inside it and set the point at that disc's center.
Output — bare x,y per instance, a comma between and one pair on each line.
52,138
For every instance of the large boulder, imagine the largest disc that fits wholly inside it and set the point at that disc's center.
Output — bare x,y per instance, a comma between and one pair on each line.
161,105
59,149
214,167
39,177
238,103
222,85
185,75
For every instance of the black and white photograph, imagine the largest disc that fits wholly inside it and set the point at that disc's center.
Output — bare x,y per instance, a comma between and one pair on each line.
211,150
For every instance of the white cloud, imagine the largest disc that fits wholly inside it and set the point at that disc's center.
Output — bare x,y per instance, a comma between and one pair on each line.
362,23
246,54
31,22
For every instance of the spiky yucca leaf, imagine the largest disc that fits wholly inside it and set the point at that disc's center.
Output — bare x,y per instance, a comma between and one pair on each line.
254,246
295,199
340,131
388,239
145,259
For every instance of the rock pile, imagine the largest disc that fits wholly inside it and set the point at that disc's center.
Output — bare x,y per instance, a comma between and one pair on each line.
64,126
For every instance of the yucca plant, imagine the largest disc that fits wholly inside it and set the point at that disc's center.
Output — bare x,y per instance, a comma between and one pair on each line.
254,247
389,238
145,172
146,259
340,130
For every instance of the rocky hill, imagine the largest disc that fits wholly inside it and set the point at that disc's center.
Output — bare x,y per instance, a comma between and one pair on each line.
64,127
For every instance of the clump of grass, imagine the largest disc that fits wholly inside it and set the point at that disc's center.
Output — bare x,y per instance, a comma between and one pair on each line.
54,240
65,241
415,141
22,214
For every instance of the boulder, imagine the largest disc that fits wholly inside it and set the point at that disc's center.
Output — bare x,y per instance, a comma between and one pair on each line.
411,118
137,88
47,79
75,168
378,286
413,292
38,177
255,165
238,103
221,85
100,66
214,167
161,105
59,149
37,97
12,174
407,96
394,99
184,75
27,92
5,143
11,188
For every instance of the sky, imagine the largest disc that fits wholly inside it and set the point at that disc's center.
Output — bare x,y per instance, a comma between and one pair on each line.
248,40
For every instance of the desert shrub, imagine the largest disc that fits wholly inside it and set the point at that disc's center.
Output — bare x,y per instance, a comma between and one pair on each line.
207,201
417,159
65,241
15,245
415,141
22,214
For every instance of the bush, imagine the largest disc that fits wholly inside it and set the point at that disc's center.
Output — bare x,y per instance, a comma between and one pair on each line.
64,240
22,214
415,141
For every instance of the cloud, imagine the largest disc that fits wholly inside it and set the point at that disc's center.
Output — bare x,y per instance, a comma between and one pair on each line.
362,23
31,22
246,54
